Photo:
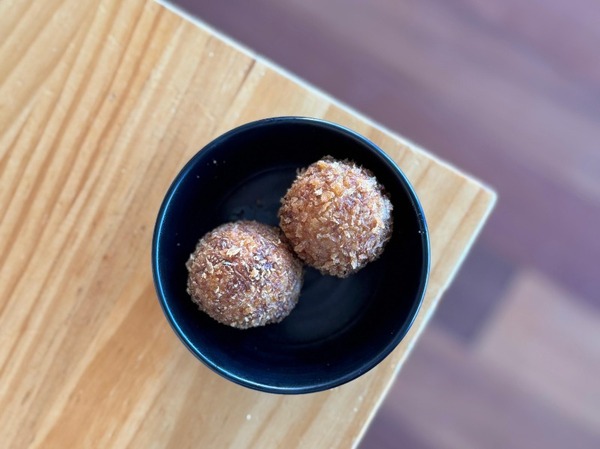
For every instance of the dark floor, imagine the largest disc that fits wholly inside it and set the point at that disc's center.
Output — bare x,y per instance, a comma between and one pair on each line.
508,90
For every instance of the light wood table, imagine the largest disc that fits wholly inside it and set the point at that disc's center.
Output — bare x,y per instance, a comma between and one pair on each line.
101,103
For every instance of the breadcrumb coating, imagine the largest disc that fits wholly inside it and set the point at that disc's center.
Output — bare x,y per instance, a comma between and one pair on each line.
244,274
336,217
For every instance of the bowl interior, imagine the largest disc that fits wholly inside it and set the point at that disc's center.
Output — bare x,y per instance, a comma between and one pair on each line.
341,327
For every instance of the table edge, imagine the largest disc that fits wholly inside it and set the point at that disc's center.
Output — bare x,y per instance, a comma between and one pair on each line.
177,10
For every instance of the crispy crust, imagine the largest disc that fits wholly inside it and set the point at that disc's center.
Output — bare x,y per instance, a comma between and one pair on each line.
336,217
244,274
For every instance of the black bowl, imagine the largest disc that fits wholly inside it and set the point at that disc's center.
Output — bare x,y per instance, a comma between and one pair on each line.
341,328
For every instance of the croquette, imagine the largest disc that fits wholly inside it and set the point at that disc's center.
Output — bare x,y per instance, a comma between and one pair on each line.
244,274
336,216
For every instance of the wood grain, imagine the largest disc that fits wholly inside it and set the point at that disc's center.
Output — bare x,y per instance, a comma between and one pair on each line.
101,103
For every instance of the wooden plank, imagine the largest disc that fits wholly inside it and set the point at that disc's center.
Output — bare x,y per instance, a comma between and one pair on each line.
547,341
448,398
101,103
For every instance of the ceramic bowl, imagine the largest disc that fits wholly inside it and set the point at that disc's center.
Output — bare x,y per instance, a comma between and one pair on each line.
341,328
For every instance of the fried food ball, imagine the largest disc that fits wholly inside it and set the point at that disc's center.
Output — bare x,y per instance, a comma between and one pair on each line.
336,216
244,274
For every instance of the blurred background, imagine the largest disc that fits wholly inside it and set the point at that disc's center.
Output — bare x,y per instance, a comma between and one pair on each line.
508,90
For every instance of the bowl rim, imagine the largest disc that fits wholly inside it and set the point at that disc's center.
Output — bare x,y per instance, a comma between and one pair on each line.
382,352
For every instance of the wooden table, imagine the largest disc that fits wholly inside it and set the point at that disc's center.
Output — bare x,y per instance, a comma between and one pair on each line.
101,103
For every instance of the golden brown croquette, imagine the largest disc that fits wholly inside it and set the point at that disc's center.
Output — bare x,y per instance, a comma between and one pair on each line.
244,274
336,217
